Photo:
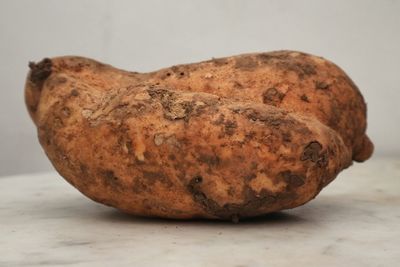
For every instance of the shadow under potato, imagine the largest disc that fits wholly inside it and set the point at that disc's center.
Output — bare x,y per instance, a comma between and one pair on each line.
324,209
270,218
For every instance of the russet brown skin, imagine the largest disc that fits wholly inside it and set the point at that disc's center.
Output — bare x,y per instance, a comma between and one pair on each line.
227,138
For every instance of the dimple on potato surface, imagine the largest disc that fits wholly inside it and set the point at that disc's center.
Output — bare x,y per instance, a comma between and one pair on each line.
226,139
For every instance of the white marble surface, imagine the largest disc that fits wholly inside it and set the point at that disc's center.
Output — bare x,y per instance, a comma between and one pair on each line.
354,222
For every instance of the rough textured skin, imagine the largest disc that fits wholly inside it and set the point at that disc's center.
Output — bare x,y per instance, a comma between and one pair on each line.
226,138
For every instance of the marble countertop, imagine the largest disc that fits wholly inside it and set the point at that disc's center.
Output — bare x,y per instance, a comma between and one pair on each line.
355,221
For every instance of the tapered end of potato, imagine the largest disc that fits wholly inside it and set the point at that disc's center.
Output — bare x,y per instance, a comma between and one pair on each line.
364,150
38,73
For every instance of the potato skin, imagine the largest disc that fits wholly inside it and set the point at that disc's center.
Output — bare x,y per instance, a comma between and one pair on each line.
291,80
190,145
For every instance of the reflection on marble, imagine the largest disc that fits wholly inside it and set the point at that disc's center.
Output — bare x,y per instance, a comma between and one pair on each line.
353,222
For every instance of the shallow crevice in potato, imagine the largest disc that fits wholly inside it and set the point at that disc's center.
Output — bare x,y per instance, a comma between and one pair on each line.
227,138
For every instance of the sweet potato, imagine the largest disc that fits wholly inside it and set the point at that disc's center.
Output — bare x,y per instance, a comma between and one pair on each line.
226,138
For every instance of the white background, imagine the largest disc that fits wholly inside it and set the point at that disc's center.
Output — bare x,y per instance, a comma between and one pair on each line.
363,37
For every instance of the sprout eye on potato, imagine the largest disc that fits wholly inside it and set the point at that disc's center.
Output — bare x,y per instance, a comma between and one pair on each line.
227,138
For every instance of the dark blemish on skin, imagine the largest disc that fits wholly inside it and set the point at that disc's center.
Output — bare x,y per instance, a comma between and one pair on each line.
288,195
323,160
305,98
267,58
230,211
138,107
152,177
237,85
321,85
147,155
178,70
230,127
40,71
198,109
308,69
292,180
231,191
311,151
250,177
210,160
74,92
254,115
201,197
286,62
220,120
198,179
171,157
272,96
108,174
246,63
78,67
33,108
300,69
305,131
254,200
111,180
286,137
83,170
250,136
139,186
210,205
70,137
194,189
